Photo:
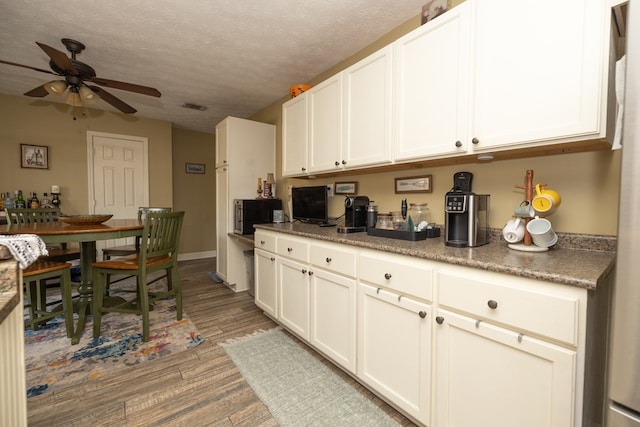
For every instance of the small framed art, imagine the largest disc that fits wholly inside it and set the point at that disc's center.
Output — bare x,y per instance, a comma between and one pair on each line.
194,168
414,184
346,188
34,156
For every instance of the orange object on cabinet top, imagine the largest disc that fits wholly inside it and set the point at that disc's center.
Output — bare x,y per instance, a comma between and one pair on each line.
298,89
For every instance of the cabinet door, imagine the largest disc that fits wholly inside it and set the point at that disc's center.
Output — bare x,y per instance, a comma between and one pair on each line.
490,376
432,87
222,219
333,317
394,345
325,125
221,144
266,294
537,75
293,296
294,136
367,110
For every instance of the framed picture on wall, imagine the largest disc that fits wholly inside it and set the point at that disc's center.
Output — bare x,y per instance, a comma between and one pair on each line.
194,168
34,156
413,184
346,188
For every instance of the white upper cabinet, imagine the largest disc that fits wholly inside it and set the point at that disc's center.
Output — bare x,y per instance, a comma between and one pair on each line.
367,118
325,125
295,135
431,87
538,72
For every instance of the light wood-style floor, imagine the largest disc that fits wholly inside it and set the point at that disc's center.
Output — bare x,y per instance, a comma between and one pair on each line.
197,387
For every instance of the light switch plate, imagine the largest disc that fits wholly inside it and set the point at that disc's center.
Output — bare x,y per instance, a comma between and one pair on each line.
330,192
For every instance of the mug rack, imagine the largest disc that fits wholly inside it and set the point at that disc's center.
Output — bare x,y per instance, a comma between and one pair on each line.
527,245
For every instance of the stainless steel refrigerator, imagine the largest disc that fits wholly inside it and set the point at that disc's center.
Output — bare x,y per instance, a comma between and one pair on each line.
624,372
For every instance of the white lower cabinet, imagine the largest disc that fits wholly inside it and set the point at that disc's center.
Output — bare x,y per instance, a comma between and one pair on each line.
491,376
266,292
333,317
394,347
293,296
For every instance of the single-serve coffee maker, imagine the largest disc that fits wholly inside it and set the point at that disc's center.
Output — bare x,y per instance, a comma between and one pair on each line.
466,220
355,214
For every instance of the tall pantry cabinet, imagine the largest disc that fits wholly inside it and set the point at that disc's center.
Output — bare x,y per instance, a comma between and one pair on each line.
245,151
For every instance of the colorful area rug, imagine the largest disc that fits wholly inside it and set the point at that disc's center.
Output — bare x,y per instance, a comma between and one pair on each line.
296,387
53,363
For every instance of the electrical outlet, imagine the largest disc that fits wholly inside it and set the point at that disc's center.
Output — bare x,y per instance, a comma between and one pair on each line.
330,190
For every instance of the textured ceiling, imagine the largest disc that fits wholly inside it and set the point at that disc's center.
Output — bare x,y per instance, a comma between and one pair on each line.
233,56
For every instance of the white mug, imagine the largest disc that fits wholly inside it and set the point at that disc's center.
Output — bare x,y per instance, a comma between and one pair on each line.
541,232
513,231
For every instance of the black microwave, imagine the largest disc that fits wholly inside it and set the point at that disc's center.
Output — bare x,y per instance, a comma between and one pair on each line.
247,212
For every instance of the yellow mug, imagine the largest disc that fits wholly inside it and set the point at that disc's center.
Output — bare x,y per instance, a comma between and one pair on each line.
546,201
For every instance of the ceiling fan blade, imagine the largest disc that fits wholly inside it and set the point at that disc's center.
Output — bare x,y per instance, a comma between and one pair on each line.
28,66
58,58
38,92
110,99
145,90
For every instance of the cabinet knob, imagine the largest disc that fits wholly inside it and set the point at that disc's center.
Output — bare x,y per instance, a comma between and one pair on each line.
493,304
304,169
344,162
337,163
328,259
310,273
422,314
475,141
272,258
387,276
304,271
262,242
289,249
458,144
440,320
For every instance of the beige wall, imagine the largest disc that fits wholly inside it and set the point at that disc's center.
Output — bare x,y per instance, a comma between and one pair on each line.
194,193
587,182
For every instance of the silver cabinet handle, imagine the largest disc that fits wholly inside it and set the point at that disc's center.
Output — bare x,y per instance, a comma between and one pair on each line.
387,276
493,304
440,320
475,141
328,259
422,314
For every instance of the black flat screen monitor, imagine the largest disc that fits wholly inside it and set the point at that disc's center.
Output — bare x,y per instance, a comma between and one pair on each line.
310,204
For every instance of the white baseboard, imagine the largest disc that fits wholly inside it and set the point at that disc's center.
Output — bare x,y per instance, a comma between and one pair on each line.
197,255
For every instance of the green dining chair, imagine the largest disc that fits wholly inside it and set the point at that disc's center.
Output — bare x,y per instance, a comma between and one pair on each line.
158,251
34,278
61,252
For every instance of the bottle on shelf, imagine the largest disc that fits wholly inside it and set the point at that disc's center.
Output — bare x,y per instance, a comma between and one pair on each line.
34,203
46,203
8,202
20,203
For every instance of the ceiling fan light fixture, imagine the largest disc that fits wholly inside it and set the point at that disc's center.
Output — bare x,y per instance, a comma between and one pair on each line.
56,87
73,97
88,96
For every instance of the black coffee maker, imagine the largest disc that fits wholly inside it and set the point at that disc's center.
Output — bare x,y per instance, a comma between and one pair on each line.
466,221
355,214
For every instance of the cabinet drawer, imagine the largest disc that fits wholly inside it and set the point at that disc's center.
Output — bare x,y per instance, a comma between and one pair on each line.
526,305
400,273
293,248
334,258
265,241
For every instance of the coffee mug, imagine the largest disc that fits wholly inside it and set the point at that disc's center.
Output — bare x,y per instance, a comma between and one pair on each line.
513,231
525,210
541,232
545,202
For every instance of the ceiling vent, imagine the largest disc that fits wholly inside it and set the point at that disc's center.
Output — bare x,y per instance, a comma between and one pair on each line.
194,106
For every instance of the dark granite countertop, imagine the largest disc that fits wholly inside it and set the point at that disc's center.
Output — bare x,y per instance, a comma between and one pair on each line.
561,264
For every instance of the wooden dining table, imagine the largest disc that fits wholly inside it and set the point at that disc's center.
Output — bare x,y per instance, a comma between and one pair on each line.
86,235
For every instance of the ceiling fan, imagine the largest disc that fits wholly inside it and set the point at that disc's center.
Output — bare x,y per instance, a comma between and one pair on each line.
76,75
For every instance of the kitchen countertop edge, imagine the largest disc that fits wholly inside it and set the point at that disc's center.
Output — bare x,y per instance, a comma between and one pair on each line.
574,267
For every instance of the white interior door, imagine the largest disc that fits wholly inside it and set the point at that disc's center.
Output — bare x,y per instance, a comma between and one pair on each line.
118,176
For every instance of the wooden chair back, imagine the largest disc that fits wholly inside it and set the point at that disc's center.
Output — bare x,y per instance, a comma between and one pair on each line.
161,236
29,216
